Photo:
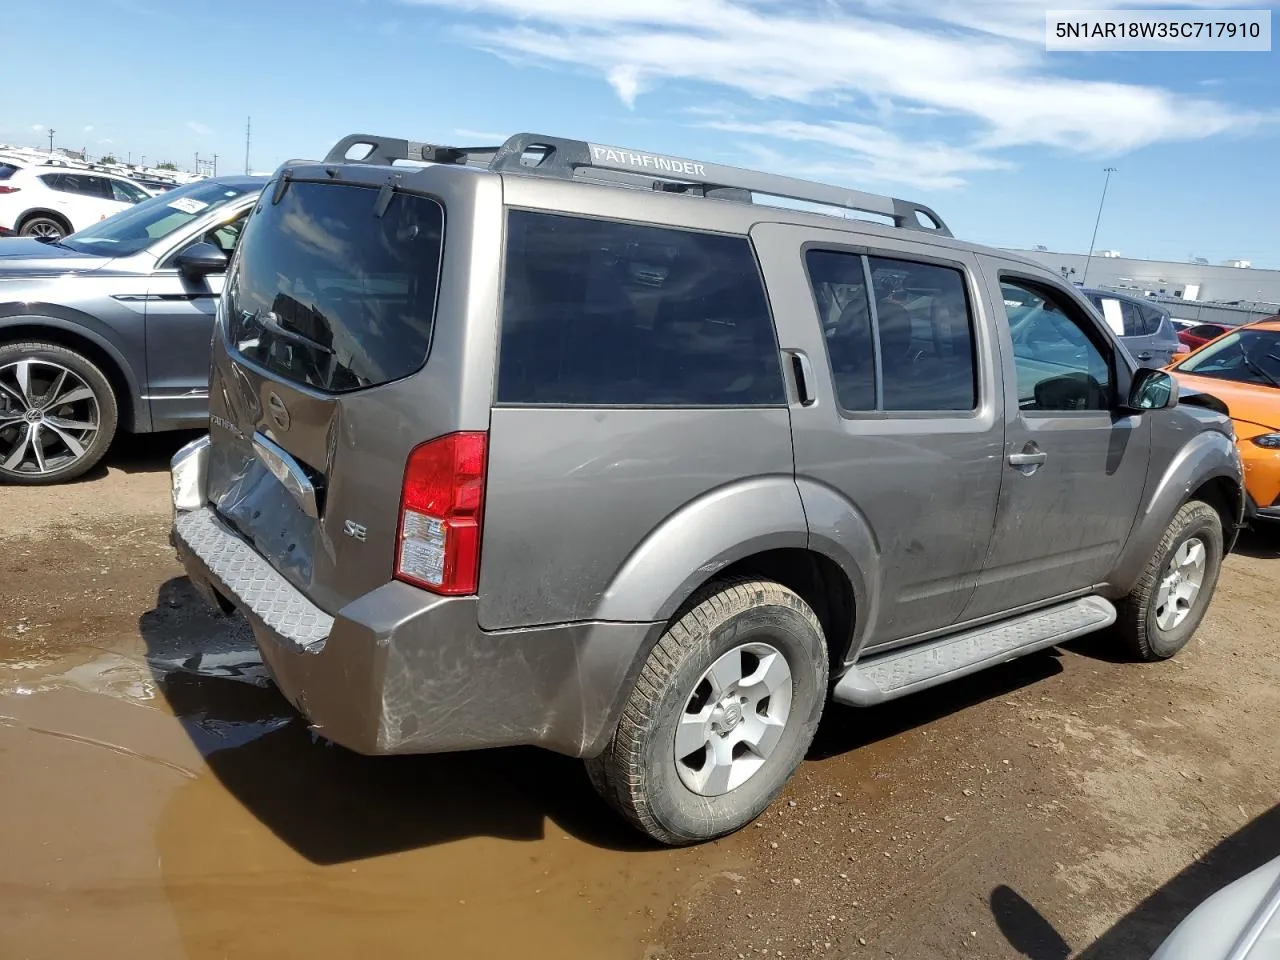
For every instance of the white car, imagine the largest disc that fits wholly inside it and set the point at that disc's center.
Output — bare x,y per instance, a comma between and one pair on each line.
48,201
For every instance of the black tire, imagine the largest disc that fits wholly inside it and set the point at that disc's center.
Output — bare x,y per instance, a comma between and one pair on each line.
1137,621
95,443
30,226
637,772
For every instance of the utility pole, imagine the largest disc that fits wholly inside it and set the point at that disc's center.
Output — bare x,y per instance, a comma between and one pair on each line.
215,164
51,132
1084,277
248,123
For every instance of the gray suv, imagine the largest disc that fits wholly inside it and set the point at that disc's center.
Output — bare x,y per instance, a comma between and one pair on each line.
570,445
108,329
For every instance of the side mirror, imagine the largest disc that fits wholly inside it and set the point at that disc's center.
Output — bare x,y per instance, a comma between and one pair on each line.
1152,390
201,259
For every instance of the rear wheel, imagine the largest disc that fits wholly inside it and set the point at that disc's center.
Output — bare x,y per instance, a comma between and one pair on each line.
723,711
44,225
58,413
1164,610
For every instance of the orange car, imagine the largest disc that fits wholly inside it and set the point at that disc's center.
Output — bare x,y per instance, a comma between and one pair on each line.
1242,369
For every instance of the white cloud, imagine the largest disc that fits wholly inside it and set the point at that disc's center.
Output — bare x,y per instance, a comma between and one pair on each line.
867,153
89,129
104,141
38,127
978,68
198,128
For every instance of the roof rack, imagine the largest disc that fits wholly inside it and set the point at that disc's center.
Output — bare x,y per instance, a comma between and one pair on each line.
538,155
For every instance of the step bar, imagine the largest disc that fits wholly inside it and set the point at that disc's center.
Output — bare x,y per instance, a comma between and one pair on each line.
875,679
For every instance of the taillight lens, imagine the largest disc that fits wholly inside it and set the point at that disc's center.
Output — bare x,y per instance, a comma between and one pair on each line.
441,503
4,189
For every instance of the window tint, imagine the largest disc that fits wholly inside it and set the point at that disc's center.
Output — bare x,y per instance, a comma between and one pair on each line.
7,170
1059,366
328,294
601,313
56,181
925,336
1152,320
1134,323
924,326
97,187
840,289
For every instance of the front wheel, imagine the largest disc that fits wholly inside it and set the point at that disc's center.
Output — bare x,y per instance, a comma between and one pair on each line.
723,711
58,413
1164,610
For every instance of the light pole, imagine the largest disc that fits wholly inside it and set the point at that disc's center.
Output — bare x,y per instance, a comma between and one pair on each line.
51,132
1094,239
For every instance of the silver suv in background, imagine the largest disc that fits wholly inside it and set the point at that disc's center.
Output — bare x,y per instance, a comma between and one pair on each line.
109,328
1144,327
564,444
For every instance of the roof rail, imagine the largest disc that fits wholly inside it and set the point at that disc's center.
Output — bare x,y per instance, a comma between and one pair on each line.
538,155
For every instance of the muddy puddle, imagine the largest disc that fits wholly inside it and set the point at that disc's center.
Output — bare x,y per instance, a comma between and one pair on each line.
162,800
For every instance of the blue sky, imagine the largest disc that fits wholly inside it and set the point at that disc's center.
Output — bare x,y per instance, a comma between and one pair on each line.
954,104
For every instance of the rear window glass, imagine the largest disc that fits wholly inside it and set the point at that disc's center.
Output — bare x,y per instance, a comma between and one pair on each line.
329,294
7,170
599,313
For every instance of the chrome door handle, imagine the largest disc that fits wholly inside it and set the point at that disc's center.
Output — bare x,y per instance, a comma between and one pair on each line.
1028,459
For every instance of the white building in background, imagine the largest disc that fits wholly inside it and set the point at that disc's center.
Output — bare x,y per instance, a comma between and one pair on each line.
1233,282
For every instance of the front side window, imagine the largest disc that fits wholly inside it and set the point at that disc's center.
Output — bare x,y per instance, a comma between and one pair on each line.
1059,365
922,328
126,192
1248,356
602,313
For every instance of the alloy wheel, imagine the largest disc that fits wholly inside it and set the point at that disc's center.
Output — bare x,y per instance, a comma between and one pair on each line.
49,417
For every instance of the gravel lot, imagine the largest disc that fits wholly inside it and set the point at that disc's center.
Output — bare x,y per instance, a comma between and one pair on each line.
161,800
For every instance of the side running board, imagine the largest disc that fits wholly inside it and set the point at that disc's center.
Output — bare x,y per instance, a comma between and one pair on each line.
895,674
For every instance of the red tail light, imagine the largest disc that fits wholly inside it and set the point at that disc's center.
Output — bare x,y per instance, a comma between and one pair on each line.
441,503
4,189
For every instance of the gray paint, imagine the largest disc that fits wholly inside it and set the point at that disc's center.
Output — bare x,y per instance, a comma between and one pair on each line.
600,523
612,512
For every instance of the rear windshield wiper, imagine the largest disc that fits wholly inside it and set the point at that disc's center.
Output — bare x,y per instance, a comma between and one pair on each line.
269,322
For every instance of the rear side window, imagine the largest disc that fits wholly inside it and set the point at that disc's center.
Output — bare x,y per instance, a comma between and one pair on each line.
328,293
1152,320
599,313
921,328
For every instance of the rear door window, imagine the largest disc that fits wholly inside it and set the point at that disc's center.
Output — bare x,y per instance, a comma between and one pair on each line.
601,313
921,326
329,293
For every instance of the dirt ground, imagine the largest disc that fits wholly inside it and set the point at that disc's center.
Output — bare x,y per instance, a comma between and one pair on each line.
159,799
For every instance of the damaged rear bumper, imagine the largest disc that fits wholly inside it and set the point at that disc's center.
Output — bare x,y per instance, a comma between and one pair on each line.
400,670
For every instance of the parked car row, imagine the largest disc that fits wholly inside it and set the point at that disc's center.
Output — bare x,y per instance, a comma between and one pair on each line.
40,200
109,328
